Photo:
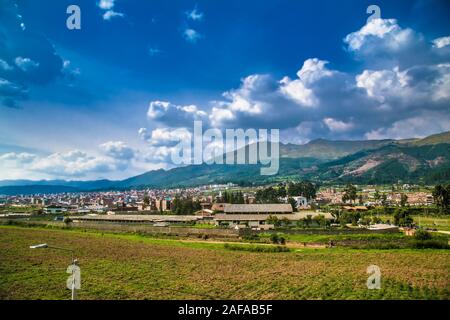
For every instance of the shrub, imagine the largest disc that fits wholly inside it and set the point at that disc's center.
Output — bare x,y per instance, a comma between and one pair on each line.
430,244
274,238
422,235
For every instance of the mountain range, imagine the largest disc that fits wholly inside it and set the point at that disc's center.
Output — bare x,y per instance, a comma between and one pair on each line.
424,160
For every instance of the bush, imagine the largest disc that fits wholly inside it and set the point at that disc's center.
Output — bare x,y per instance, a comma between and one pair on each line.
422,235
430,244
277,239
274,238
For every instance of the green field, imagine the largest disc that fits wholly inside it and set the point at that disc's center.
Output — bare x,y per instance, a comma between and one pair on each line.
138,267
438,222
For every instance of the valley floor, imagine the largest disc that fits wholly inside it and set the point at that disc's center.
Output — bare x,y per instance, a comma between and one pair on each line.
123,266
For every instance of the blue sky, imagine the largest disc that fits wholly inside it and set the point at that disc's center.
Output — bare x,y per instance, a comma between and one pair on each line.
104,101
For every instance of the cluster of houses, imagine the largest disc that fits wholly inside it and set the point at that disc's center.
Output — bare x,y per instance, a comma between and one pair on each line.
367,197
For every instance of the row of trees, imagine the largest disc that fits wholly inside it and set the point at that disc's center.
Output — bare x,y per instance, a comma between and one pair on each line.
308,221
273,194
182,206
441,195
233,197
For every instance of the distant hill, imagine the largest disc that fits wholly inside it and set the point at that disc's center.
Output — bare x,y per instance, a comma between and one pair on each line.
366,162
35,189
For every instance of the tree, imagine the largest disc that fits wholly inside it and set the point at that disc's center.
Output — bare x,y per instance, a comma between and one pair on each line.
320,220
307,220
402,218
360,199
403,199
304,188
293,203
273,220
146,201
267,195
285,222
350,217
349,193
377,195
365,221
441,195
384,202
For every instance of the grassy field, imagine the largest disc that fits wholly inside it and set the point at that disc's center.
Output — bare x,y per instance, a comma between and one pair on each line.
137,267
438,222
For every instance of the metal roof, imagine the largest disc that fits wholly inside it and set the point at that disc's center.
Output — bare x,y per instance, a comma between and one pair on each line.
262,217
136,218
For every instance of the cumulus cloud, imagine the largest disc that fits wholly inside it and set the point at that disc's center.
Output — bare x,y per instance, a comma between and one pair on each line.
162,142
174,115
114,156
74,163
415,127
337,125
165,136
26,64
441,42
20,158
117,150
404,76
385,44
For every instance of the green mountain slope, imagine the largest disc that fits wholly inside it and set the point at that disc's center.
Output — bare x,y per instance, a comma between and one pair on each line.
389,164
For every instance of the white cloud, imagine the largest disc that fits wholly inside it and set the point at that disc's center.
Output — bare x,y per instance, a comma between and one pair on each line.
26,64
194,14
74,163
337,125
383,83
191,35
386,29
421,126
220,115
300,90
174,115
441,42
111,14
107,6
22,158
165,136
117,150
